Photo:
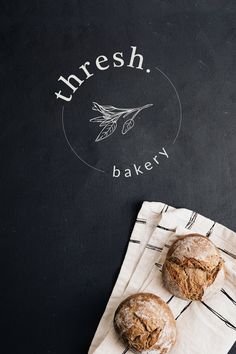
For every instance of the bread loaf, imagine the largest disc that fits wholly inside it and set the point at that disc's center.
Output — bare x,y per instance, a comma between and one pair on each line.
193,268
145,322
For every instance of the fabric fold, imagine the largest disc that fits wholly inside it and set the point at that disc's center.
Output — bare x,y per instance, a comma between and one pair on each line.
208,327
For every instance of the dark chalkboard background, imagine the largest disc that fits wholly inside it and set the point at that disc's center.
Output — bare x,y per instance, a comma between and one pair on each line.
64,227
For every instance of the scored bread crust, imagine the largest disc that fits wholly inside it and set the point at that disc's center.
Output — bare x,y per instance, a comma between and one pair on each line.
145,322
193,268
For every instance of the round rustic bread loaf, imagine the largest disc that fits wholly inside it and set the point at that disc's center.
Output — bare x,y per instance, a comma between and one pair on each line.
145,323
193,268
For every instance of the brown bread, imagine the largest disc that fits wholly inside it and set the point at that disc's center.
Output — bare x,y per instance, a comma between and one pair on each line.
145,322
193,268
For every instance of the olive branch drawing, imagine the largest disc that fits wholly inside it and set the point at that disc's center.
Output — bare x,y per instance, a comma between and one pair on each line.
109,118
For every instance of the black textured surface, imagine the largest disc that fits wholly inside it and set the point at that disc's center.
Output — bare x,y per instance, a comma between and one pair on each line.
64,227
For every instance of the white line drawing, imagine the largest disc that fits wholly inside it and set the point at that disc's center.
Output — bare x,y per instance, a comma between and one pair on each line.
175,137
71,147
110,116
179,102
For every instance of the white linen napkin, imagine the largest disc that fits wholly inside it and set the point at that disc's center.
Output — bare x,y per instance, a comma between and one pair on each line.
205,327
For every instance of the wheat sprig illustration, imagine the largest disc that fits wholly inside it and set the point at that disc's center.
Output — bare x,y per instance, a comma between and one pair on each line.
109,116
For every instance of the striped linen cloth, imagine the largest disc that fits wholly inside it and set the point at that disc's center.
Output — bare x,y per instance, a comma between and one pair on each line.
206,327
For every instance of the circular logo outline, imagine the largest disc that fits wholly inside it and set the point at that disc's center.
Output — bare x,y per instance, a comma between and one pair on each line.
175,137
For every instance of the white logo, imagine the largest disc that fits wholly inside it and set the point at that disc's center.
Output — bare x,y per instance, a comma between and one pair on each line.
123,81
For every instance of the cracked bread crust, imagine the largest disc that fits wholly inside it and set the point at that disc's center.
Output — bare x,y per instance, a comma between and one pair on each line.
145,322
193,269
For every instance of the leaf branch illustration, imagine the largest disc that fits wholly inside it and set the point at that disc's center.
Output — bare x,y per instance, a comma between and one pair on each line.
109,116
